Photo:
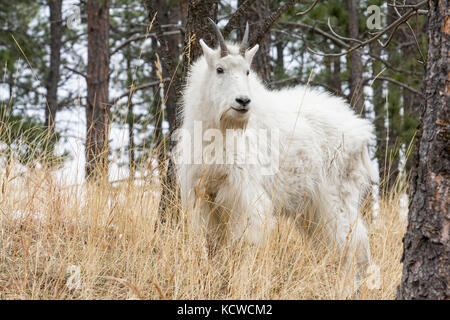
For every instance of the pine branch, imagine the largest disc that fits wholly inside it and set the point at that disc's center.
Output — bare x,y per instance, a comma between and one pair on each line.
269,21
393,26
401,84
343,44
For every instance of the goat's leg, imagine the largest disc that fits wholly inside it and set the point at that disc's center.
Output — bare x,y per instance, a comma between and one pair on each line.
202,220
338,220
249,209
357,254
198,205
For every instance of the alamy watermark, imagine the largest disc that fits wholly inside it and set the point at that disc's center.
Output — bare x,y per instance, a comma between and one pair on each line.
374,19
373,280
74,280
73,20
240,147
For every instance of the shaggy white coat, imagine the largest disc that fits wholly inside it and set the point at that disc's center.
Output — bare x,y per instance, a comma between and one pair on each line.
323,159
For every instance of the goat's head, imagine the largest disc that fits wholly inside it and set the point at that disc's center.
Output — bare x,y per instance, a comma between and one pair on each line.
228,77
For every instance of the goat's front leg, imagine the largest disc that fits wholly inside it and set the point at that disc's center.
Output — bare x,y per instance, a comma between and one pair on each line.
248,207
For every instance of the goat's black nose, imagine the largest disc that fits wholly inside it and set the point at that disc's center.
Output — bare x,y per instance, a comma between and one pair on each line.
243,101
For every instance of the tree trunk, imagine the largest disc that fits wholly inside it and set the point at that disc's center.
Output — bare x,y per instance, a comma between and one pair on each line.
279,66
426,271
130,119
131,145
393,114
412,103
379,103
168,51
56,31
356,90
197,27
255,16
97,108
337,85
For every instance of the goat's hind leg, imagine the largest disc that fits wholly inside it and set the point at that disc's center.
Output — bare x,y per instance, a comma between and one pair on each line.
357,253
340,223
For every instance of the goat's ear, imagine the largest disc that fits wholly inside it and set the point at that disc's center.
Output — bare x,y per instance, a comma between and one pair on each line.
208,53
249,54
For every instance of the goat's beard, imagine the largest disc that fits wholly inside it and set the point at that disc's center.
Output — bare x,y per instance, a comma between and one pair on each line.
229,121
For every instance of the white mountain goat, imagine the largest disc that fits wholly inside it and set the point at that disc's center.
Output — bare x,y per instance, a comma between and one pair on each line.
316,159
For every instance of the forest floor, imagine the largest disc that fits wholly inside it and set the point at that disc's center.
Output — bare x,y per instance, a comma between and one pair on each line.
103,242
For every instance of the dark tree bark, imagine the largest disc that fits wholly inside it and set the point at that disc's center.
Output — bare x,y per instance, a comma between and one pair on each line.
131,144
255,15
97,108
412,103
356,90
194,14
130,120
197,27
279,66
337,84
168,51
426,257
56,32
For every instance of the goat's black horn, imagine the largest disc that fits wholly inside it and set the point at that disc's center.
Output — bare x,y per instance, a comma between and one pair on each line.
223,47
244,43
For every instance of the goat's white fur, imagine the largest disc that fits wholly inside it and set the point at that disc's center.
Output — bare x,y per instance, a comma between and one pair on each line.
319,133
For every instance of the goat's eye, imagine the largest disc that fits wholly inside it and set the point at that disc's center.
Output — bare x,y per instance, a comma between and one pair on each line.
248,72
219,70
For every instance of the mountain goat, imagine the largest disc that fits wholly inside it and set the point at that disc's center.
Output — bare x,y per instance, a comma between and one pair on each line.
316,160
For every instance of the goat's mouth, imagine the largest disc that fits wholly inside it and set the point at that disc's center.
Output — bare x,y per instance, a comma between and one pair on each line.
240,110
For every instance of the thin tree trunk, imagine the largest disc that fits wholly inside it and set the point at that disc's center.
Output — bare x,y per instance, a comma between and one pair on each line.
337,84
130,109
356,90
379,103
131,145
280,59
130,120
426,257
97,108
394,119
56,32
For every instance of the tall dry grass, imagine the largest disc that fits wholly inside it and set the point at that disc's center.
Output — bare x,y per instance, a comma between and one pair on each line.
101,241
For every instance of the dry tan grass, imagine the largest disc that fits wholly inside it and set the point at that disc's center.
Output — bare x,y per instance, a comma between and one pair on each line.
114,238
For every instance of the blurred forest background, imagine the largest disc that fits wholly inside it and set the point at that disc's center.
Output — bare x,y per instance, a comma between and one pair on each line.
120,64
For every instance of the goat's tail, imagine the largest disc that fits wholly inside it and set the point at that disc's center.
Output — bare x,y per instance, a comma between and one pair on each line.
369,167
